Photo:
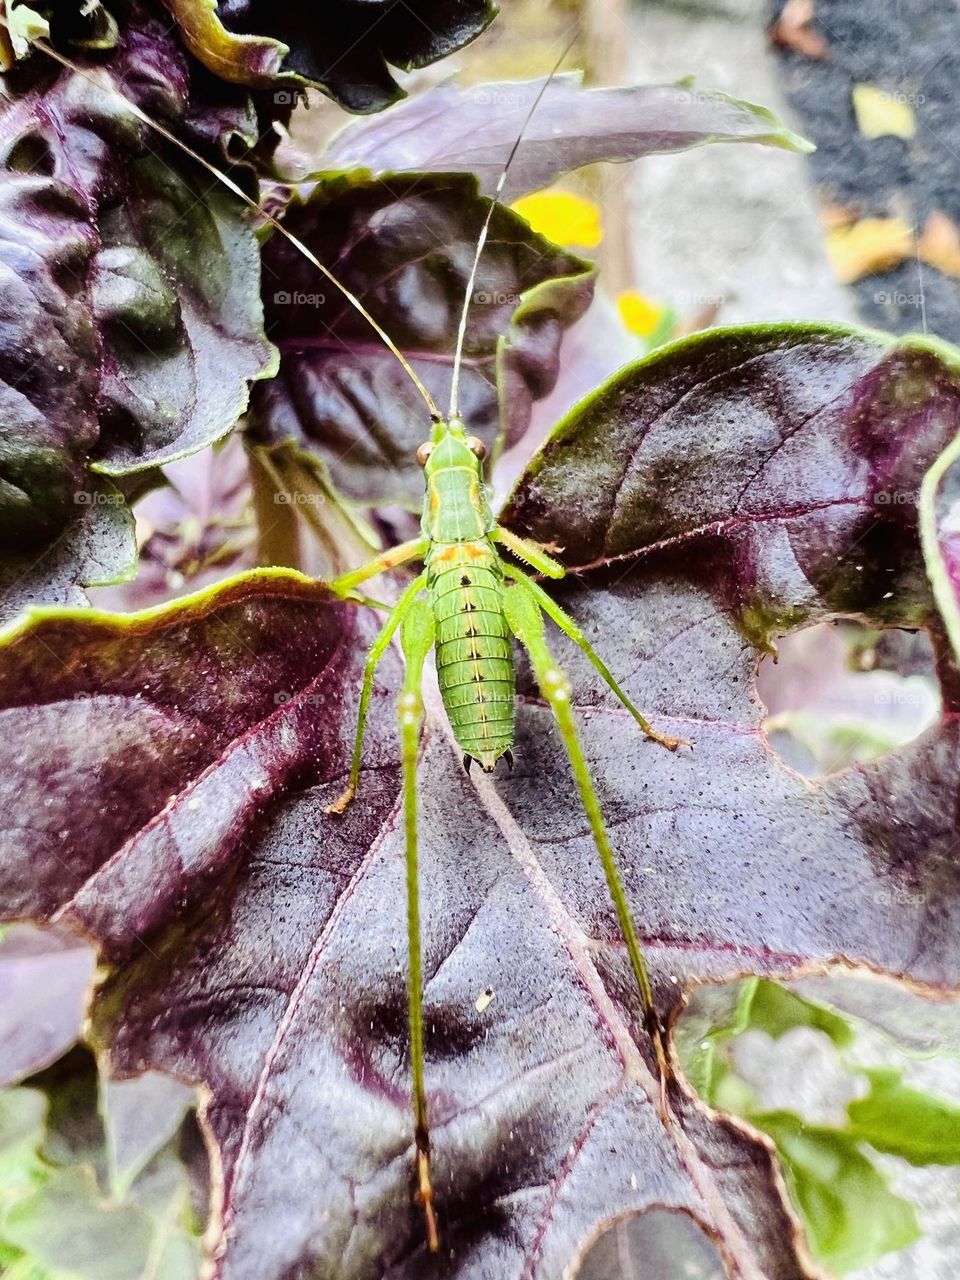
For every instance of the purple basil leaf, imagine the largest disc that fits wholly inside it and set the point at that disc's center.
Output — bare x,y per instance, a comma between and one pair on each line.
131,320
96,547
405,248
45,980
194,529
343,50
653,433
713,495
471,130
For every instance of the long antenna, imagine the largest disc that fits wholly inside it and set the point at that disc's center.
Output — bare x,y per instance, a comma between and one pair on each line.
251,204
482,239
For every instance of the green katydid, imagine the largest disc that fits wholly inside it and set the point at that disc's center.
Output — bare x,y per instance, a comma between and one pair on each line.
467,604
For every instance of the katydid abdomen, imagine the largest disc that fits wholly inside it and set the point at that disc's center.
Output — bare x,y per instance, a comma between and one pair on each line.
473,648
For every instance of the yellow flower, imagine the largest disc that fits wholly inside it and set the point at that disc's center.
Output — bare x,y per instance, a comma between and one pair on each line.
640,314
562,217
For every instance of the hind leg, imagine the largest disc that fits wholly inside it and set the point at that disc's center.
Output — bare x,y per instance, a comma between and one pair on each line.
416,640
526,622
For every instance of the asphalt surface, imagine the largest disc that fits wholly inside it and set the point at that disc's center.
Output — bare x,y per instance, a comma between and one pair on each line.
909,48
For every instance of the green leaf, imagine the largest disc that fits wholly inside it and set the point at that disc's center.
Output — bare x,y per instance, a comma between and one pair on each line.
140,1116
22,1123
23,1269
851,1216
920,1127
714,1016
776,1010
69,1228
717,1015
55,1222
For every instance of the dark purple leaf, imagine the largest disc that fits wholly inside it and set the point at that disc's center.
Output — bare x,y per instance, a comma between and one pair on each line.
196,528
131,323
651,435
343,50
471,130
712,496
405,248
95,547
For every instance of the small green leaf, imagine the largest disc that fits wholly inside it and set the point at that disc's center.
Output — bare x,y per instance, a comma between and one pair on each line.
714,1016
22,1121
776,1010
22,1126
851,1216
68,1227
55,1222
23,1268
917,1126
718,1015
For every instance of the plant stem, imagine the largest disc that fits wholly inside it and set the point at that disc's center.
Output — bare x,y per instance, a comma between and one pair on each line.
278,532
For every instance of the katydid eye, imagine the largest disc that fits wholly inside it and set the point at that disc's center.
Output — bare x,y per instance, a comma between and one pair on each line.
424,452
477,447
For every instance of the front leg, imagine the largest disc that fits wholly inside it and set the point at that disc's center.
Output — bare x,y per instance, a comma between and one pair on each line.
531,553
392,559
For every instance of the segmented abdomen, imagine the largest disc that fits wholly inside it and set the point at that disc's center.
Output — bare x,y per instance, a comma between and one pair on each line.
474,654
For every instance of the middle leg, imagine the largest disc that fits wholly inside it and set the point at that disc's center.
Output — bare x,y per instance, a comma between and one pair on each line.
570,628
377,650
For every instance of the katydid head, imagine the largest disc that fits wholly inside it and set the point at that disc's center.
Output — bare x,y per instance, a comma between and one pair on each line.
450,446
456,505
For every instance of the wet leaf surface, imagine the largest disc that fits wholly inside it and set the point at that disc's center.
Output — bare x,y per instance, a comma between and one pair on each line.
96,547
717,494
